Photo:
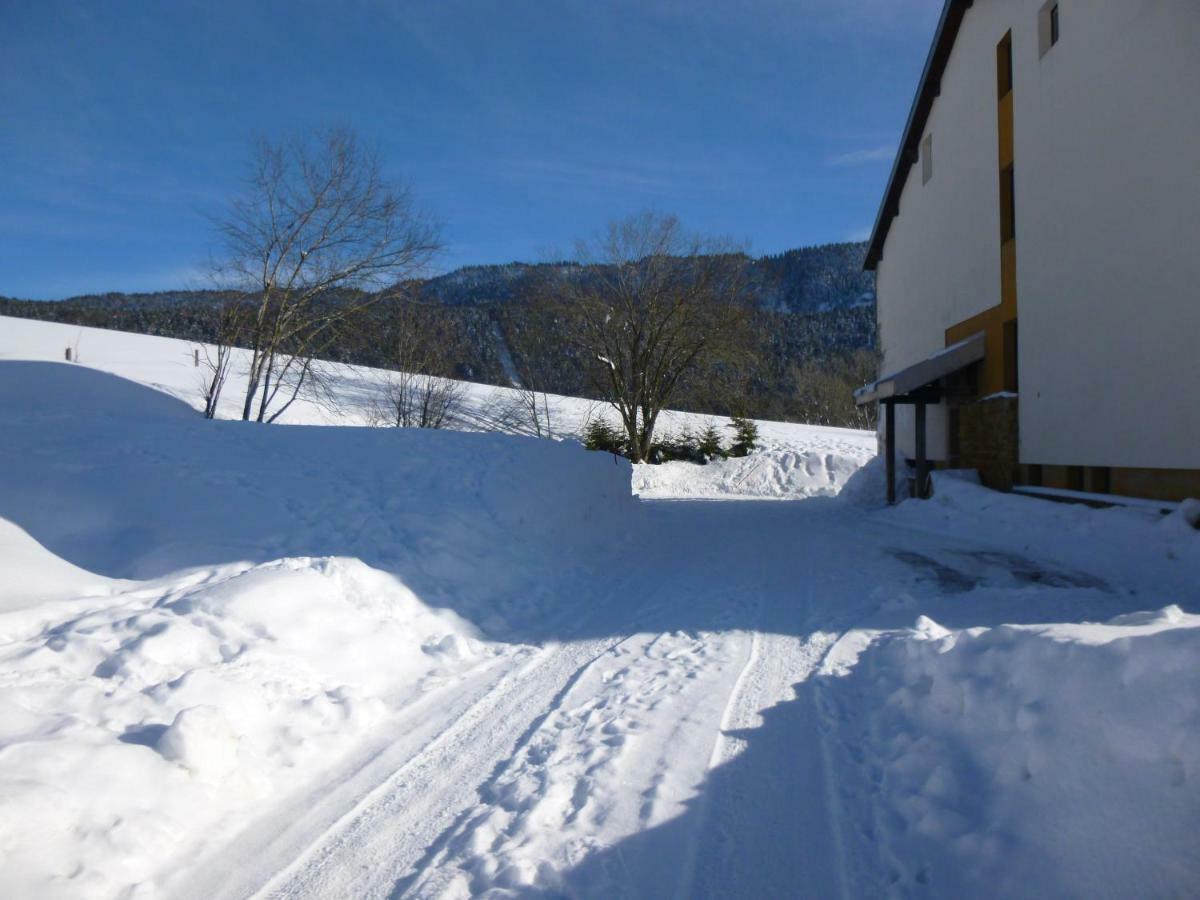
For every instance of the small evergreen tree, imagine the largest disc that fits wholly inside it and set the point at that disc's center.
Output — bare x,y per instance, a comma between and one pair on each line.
709,443
600,435
745,436
682,447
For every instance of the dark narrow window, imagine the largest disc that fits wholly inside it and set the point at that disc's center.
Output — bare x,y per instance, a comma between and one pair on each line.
1047,27
1008,205
1011,381
927,159
1004,66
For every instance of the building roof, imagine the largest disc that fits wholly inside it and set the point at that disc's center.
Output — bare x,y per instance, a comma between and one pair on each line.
939,365
928,90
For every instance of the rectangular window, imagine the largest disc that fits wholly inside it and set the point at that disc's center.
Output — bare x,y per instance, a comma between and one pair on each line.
927,159
1004,68
1008,205
1047,27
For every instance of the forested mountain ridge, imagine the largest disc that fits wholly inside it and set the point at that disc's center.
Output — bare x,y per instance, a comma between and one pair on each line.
804,280
813,331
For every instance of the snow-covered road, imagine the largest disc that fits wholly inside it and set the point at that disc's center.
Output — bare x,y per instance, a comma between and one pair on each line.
586,766
669,742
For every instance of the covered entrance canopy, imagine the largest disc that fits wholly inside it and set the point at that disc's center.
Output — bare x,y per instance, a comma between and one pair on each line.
918,384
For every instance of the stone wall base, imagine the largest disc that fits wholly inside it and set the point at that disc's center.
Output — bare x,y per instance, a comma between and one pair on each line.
988,440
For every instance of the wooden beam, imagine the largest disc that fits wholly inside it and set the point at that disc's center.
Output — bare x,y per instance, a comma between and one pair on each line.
889,425
922,462
924,395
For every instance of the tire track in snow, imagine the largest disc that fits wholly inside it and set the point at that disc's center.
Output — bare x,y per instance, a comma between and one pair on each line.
735,842
601,766
381,837
724,747
241,865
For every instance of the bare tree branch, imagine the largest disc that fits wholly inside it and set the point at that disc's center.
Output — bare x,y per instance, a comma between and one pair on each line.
318,237
654,307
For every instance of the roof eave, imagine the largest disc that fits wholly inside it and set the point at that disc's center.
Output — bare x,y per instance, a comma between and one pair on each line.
927,91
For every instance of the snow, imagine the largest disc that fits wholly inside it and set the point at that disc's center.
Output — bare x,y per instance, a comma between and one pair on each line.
1066,753
292,660
1093,497
819,469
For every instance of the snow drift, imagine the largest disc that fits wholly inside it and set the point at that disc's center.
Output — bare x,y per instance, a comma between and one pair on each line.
774,474
138,723
197,616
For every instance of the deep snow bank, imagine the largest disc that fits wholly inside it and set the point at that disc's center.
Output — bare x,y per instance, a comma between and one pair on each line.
119,480
141,723
1020,760
197,617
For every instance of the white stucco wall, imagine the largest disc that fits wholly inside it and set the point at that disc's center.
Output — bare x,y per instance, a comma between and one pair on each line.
1107,142
1107,149
941,261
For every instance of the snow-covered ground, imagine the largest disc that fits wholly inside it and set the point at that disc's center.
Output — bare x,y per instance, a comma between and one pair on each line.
242,660
797,460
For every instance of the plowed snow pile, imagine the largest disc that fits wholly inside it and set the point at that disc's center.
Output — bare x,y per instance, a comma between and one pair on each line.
179,648
988,761
769,474
161,712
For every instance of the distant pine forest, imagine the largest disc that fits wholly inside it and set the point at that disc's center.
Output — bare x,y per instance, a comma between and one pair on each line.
812,332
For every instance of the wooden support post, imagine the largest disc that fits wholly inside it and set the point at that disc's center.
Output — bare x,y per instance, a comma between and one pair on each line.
889,444
922,462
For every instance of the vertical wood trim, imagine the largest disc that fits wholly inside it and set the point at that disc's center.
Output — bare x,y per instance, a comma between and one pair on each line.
922,462
889,441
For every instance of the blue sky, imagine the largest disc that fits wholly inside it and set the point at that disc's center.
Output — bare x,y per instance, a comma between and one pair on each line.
519,125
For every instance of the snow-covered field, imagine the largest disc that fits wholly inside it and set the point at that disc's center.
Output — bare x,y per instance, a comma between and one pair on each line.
797,460
242,660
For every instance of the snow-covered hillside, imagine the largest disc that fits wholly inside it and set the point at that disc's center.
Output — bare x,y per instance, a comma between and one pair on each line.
796,460
242,660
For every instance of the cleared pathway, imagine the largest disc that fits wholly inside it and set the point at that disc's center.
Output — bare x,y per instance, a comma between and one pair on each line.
667,743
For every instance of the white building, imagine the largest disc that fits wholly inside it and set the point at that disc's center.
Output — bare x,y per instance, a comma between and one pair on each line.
1043,220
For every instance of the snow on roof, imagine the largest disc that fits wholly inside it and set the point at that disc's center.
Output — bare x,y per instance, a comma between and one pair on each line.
937,365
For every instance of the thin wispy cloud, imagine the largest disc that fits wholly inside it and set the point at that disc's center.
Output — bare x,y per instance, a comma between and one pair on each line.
883,153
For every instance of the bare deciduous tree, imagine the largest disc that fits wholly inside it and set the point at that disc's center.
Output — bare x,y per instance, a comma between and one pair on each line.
656,307
318,237
417,400
516,410
416,393
534,407
215,360
824,389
